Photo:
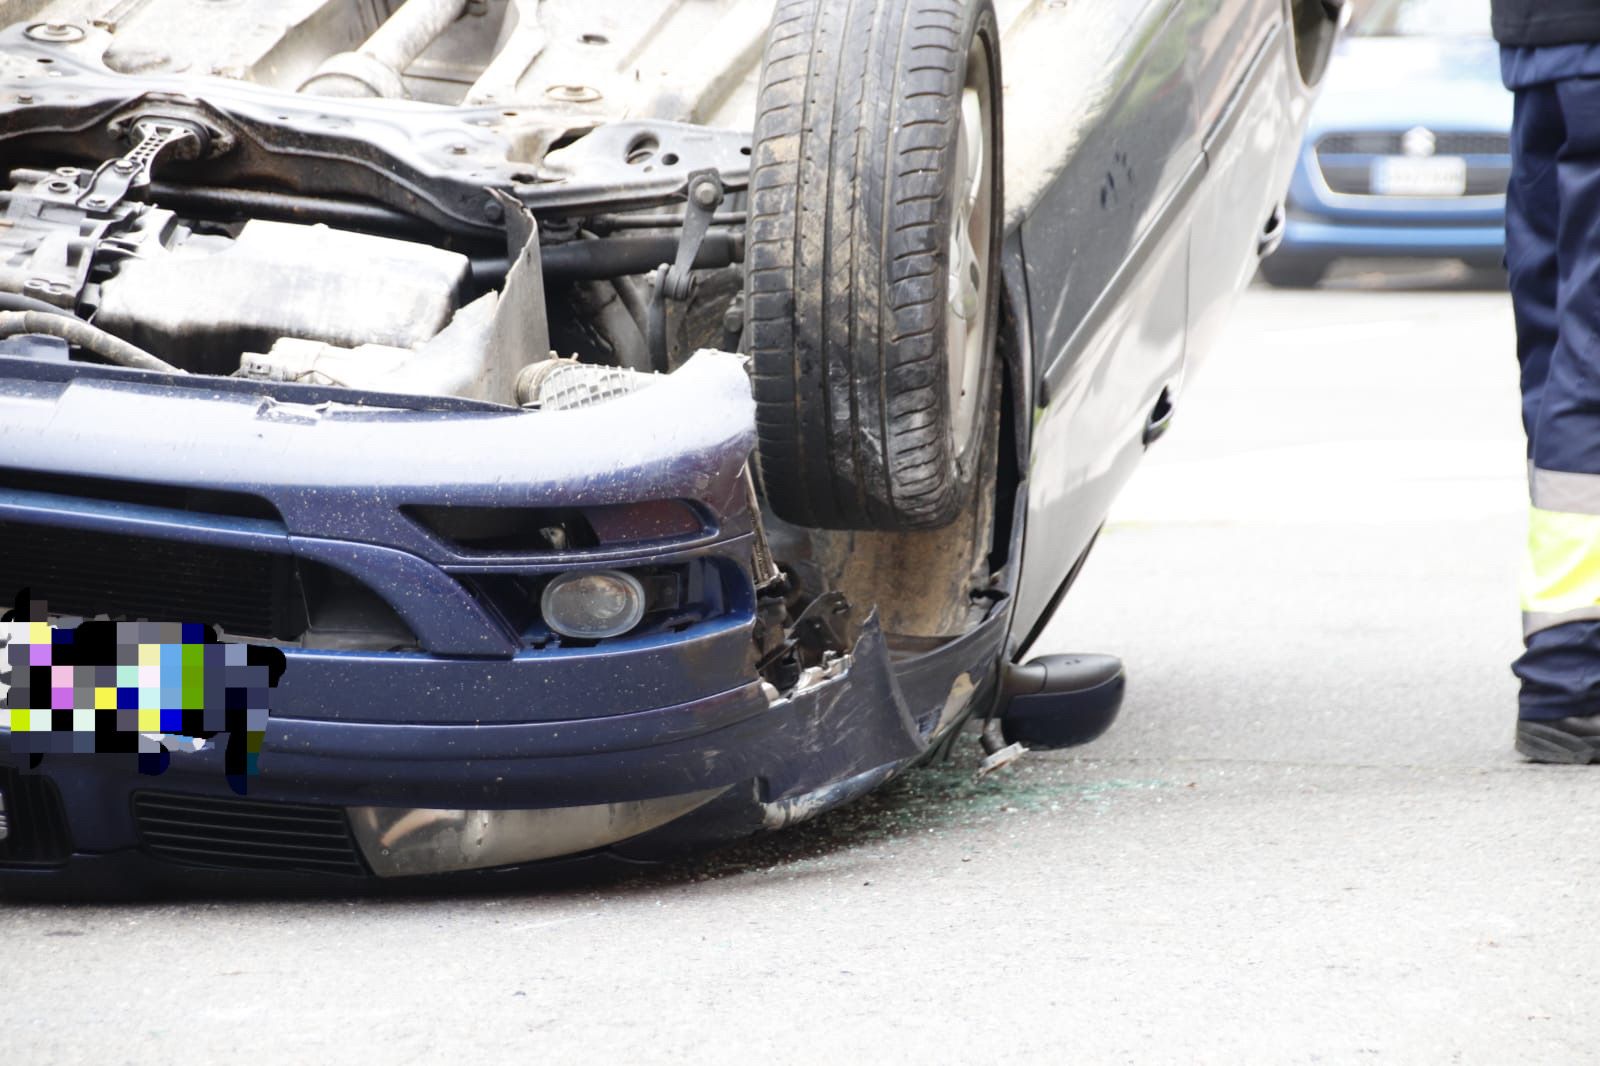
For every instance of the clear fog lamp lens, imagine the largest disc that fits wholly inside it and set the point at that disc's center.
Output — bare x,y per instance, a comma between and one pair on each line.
593,604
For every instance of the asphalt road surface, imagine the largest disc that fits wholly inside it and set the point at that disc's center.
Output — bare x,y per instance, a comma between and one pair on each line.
1307,840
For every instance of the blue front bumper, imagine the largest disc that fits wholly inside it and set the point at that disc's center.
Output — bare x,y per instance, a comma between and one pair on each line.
472,716
1324,225
1321,239
778,763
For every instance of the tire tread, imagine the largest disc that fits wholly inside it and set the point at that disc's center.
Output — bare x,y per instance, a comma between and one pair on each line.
845,286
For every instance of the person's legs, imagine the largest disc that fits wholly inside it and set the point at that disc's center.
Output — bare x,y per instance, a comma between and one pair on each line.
1556,167
1532,213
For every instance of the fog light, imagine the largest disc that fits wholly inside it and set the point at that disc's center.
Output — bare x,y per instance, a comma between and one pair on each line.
401,841
592,604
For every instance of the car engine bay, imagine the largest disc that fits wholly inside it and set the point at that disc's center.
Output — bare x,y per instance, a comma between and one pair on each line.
348,200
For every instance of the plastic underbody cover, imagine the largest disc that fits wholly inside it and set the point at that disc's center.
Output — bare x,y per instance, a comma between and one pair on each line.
211,297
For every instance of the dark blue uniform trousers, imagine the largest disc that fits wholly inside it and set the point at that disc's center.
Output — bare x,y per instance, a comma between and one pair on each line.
1553,257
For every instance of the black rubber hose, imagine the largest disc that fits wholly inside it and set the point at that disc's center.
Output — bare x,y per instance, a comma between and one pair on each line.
612,257
56,323
15,301
606,223
249,203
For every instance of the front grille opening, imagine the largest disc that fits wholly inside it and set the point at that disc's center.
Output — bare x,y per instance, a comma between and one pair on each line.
171,497
1346,159
538,530
248,595
1382,142
243,834
89,573
35,819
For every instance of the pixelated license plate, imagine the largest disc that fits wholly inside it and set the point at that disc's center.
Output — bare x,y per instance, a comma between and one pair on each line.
1433,176
140,689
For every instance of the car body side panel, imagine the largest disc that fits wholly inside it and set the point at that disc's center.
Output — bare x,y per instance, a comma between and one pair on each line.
1248,164
1111,362
1089,439
1106,261
1224,37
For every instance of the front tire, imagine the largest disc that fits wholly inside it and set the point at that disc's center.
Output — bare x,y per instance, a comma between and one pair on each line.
872,269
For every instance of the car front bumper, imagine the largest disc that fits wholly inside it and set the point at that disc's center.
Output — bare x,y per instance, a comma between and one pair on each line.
765,763
472,717
1323,224
1319,239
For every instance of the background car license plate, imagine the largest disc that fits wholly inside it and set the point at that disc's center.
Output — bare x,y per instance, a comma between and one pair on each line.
1434,176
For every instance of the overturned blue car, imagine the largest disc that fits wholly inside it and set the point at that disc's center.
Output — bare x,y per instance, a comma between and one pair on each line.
637,425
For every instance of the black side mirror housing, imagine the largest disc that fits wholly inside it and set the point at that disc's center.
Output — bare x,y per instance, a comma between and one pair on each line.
1060,701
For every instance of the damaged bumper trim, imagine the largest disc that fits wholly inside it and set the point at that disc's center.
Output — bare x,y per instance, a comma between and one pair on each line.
768,764
803,808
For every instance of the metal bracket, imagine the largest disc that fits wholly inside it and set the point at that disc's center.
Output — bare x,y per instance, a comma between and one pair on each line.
676,282
767,573
705,195
54,224
327,147
155,136
822,627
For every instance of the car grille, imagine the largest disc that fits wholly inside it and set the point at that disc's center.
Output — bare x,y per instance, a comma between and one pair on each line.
85,573
1383,143
1345,159
35,821
242,834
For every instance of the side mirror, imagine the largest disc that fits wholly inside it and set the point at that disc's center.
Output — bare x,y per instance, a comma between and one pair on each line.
1059,701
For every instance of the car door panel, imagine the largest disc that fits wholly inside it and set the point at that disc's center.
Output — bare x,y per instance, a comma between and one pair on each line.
1106,250
1248,160
1224,39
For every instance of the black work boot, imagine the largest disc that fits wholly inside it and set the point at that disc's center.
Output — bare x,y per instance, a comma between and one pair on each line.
1563,740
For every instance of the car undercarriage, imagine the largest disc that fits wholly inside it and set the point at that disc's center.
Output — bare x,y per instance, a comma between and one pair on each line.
217,228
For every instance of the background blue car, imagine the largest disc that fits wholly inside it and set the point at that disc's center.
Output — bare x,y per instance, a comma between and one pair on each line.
1408,148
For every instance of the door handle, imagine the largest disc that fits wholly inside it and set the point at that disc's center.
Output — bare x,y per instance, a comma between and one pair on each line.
1160,419
1272,232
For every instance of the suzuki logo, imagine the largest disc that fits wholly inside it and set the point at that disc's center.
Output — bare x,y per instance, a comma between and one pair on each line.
1419,142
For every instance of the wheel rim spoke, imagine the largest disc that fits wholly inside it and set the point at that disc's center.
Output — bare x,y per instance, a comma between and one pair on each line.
971,222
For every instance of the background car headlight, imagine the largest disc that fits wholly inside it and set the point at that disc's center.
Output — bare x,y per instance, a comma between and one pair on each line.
593,604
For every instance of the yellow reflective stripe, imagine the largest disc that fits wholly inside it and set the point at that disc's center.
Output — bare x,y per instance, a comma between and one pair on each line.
1563,571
